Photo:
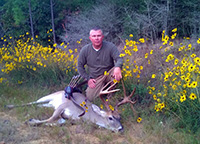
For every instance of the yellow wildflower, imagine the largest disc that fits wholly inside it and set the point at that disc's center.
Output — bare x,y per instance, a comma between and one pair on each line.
194,84
170,57
154,97
193,96
197,60
142,40
174,87
115,81
101,106
193,55
191,67
106,73
171,43
146,55
182,98
153,76
122,55
54,45
198,41
174,30
139,119
111,107
173,36
190,46
187,79
131,35
175,61
138,76
159,94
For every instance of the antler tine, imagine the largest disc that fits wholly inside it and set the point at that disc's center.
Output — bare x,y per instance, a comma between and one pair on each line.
107,91
105,103
123,88
132,93
126,98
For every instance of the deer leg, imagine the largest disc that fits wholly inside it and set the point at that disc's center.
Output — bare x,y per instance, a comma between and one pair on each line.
56,115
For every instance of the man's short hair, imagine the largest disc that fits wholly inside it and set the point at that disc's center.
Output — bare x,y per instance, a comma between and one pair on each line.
95,29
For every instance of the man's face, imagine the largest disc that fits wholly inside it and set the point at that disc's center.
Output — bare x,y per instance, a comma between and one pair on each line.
96,38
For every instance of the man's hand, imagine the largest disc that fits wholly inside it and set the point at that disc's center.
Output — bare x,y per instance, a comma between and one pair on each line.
91,83
117,73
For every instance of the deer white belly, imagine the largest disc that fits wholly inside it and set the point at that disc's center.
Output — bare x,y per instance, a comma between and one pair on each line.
53,100
68,113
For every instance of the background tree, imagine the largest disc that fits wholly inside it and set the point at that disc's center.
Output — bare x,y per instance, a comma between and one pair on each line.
52,21
72,19
103,15
31,20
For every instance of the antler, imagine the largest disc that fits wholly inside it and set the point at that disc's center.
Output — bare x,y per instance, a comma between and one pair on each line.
107,91
126,98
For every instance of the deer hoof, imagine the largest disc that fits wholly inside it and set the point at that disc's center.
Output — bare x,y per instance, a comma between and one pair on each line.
32,122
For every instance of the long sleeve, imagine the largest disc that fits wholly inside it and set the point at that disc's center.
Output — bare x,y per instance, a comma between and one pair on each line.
118,60
82,61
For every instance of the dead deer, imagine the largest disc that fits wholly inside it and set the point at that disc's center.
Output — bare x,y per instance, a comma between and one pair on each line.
80,107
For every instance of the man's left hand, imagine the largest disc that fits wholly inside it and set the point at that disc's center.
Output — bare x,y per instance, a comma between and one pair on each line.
117,73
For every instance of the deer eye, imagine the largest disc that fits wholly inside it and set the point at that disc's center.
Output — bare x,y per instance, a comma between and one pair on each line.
110,118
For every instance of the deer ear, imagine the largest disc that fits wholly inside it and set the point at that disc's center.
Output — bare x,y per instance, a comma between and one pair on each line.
96,109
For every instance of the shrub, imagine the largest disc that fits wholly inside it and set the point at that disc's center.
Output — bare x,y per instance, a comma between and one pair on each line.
27,63
171,73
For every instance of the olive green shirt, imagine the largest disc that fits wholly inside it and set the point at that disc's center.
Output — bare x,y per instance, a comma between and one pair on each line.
98,61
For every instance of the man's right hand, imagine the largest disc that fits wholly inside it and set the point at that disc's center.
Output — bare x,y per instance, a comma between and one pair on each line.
91,83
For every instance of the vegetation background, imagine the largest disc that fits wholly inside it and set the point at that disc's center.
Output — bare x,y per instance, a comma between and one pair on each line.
159,40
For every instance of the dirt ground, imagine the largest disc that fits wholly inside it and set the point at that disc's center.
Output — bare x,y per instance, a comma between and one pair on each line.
13,131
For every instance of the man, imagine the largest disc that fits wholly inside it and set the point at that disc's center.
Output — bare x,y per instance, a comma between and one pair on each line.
101,57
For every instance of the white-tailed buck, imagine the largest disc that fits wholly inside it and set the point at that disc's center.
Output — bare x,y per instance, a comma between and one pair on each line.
78,106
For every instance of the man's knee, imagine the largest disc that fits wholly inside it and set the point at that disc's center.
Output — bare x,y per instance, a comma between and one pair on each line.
91,94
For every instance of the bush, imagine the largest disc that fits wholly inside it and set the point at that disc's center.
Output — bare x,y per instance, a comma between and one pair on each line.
25,63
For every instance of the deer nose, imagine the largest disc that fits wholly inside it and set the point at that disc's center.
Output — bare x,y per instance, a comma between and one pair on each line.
121,130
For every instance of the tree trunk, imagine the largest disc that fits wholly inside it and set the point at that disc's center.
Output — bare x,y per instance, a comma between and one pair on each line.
31,21
52,21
